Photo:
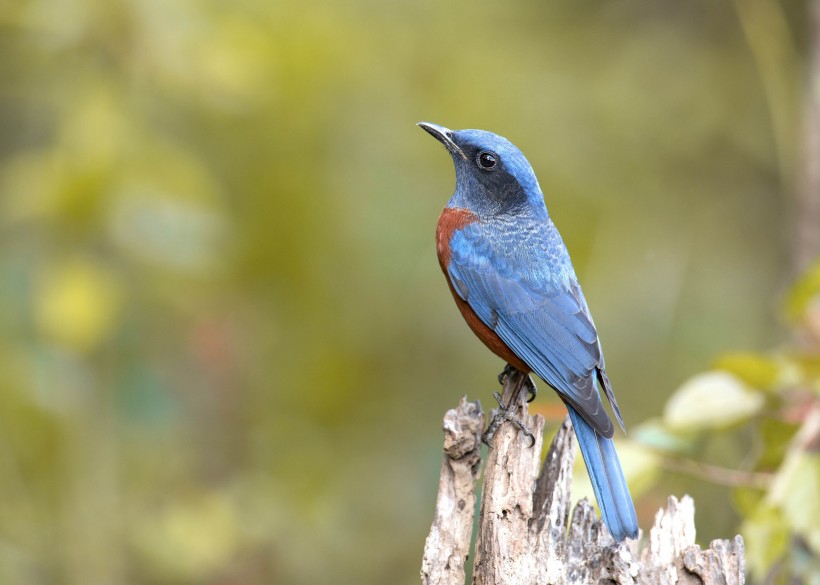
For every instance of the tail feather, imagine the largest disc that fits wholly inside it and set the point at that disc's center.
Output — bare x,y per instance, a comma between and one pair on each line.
607,478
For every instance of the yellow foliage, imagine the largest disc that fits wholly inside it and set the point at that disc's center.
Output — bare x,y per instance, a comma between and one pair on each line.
77,305
190,538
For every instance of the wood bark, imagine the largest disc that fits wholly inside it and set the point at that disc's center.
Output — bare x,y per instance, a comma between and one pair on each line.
448,544
525,532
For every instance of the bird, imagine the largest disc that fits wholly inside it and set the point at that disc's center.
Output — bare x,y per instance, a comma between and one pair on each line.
512,278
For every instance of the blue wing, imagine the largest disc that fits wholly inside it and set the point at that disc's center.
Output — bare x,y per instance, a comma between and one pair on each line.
534,304
529,296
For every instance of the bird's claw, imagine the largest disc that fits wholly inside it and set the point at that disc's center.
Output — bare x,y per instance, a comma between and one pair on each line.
531,389
505,373
505,413
508,370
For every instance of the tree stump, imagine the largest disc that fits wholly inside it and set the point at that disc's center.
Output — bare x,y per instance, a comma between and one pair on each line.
524,531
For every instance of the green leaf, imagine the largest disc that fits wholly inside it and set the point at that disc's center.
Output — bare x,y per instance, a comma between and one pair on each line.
766,537
808,366
711,400
654,434
803,292
775,435
747,500
796,489
757,370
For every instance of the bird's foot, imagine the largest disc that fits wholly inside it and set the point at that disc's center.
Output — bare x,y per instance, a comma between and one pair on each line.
505,413
528,383
506,373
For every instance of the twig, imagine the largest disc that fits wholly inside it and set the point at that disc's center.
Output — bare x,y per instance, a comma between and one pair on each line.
718,475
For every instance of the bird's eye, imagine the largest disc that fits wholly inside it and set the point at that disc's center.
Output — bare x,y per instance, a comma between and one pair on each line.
487,160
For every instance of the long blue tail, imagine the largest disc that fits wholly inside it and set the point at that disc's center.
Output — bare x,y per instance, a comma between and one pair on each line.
607,478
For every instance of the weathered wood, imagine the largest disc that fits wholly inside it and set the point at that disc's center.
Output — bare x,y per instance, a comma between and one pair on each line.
525,534
673,557
510,474
448,544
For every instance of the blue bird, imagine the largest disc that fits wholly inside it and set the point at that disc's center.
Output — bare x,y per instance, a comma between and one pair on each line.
512,279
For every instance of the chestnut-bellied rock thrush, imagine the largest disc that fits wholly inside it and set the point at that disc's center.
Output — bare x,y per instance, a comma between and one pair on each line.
513,281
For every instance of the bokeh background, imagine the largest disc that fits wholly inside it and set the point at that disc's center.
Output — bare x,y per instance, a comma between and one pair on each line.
225,343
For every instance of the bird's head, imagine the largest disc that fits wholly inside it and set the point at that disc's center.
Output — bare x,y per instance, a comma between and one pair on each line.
492,175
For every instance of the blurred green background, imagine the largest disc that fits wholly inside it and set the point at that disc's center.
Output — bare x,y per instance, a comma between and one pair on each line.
225,343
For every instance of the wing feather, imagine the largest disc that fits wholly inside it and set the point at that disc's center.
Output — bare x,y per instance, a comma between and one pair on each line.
543,320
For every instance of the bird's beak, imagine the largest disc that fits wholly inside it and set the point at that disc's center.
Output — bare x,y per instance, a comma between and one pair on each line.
443,135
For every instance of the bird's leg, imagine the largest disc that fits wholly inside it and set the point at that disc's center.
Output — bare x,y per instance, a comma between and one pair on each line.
506,412
508,370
